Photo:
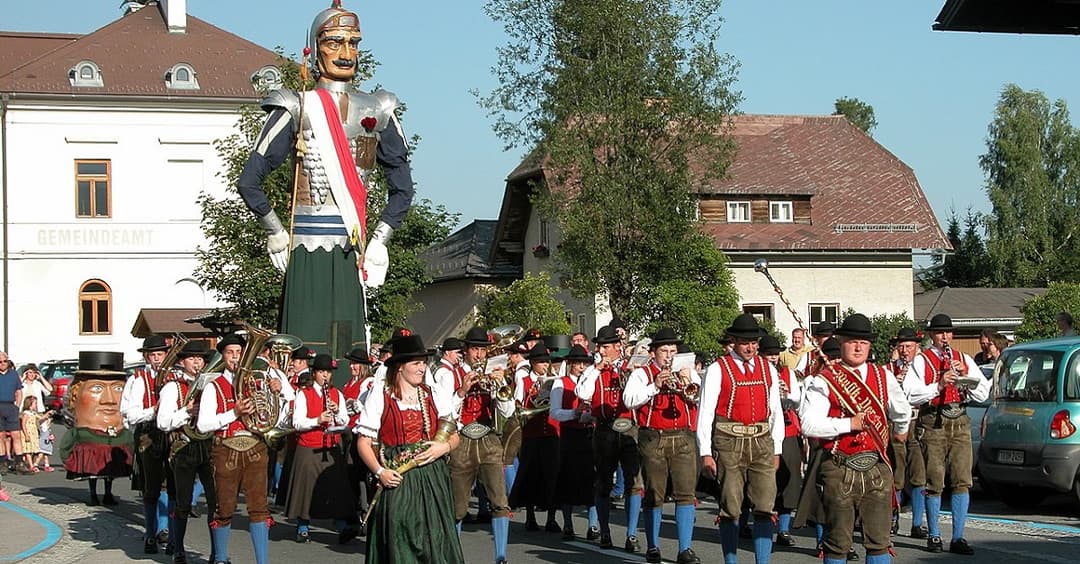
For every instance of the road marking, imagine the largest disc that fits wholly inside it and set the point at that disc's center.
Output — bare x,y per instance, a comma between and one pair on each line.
52,532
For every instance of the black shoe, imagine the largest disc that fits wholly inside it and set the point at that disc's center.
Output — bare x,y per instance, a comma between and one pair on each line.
746,533
179,558
303,537
933,544
631,545
150,546
605,541
501,561
94,502
347,534
852,556
530,526
652,556
785,539
961,546
170,550
688,557
552,527
163,536
109,500
919,532
592,534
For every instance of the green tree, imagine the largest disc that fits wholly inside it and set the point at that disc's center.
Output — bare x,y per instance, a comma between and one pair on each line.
234,264
885,328
1032,169
969,264
1040,312
859,113
619,97
529,302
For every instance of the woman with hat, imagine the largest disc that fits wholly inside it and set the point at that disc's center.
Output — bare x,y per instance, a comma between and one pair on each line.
413,521
318,469
576,474
534,486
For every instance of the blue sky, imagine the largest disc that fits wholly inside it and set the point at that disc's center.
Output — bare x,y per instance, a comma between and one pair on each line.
933,92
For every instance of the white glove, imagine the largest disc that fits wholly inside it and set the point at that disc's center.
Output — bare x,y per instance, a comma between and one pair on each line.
376,258
277,240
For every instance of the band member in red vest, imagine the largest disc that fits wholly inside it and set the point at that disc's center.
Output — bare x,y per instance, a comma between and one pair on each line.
666,404
941,381
534,486
851,404
909,468
239,456
189,453
356,391
576,477
789,480
413,521
615,436
139,406
740,434
453,351
480,456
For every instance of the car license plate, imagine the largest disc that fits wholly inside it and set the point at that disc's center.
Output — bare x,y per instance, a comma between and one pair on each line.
1010,456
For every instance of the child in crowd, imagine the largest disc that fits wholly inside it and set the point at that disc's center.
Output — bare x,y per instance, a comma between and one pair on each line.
45,441
31,423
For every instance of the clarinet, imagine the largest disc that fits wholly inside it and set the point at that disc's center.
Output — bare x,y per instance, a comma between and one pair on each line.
946,350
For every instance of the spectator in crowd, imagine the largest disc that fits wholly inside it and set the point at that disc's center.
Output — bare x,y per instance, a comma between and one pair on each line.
1065,325
998,344
30,420
985,336
10,425
789,357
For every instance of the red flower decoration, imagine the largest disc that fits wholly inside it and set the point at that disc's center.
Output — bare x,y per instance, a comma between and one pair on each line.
491,338
368,123
406,333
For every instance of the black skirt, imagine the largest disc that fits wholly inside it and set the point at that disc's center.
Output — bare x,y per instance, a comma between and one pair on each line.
537,477
576,472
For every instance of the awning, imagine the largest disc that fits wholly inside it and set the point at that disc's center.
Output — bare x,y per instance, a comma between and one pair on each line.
167,321
1010,16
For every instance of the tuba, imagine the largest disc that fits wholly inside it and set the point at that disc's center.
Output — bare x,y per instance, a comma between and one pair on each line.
252,381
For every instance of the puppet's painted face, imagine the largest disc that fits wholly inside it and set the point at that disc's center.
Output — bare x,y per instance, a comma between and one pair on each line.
338,50
97,405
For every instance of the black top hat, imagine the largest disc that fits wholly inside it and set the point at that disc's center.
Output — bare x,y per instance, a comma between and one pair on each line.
539,353
745,326
360,355
97,365
303,353
606,335
579,354
453,344
822,329
408,347
519,347
477,337
769,345
665,336
194,348
905,335
856,325
323,362
831,348
154,343
230,339
940,322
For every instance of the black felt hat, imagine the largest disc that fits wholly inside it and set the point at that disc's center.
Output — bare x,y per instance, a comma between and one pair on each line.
154,343
194,348
452,344
769,345
477,337
98,365
360,355
230,339
408,347
745,326
940,322
823,329
579,354
520,347
905,335
303,353
323,362
831,348
539,353
606,335
665,336
856,326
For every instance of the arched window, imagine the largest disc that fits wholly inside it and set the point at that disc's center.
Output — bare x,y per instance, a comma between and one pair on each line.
85,74
182,77
267,79
95,308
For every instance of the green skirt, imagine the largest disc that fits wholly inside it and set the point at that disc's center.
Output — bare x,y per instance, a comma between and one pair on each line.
414,522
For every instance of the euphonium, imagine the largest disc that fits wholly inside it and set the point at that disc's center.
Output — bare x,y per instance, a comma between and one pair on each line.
253,383
282,346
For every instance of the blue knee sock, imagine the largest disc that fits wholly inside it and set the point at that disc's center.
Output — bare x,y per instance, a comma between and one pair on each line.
652,526
197,492
784,522
819,532
878,558
509,475
594,521
959,505
213,540
603,514
918,507
729,540
762,538
684,524
933,510
150,519
260,540
500,528
633,513
303,526
458,527
275,477
835,561
164,507
220,537
620,482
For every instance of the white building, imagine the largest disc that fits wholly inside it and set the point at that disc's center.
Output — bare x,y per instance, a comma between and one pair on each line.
107,141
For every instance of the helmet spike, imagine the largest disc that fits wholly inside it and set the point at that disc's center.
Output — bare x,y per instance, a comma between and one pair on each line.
335,4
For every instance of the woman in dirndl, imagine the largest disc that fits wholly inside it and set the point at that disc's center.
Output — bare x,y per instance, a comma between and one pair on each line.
413,520
576,474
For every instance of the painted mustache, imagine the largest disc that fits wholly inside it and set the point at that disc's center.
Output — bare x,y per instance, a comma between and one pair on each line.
344,63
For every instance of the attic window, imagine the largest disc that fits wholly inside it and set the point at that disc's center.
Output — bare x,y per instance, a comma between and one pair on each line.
85,73
268,78
181,77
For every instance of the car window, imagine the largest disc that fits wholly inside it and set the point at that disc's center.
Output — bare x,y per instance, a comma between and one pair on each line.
1028,375
1072,378
63,370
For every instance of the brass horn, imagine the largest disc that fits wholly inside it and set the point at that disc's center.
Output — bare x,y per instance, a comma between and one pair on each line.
253,382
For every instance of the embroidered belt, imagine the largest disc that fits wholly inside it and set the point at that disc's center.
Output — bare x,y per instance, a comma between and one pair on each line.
619,424
742,430
242,443
475,431
860,461
948,411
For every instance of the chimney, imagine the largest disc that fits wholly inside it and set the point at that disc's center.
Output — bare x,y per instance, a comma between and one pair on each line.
175,12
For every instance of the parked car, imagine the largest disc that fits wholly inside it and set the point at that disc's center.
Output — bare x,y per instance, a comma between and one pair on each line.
1030,446
976,413
59,374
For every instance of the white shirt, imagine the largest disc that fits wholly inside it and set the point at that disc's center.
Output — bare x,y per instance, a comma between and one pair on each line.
640,389
302,422
558,413
919,392
795,393
443,377
371,417
710,395
586,386
34,389
170,417
131,400
209,419
814,412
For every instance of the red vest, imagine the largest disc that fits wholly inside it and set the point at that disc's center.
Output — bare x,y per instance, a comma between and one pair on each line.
791,416
935,366
476,407
541,425
352,390
145,378
185,388
667,410
406,426
607,403
317,437
226,401
570,401
743,397
859,441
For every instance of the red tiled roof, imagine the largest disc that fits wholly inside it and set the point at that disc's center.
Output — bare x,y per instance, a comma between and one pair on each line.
133,53
16,48
853,182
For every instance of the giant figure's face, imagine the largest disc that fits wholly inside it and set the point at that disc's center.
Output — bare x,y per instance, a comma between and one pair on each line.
338,48
97,405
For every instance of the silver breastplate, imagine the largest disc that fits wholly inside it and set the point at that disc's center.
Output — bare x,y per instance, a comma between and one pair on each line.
360,107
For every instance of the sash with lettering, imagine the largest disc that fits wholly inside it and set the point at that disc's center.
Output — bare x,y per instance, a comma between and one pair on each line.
329,138
855,396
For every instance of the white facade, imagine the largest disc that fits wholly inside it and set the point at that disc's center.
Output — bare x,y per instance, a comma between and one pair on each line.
160,158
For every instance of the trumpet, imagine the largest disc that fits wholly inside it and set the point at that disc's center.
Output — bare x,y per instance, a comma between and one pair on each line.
675,383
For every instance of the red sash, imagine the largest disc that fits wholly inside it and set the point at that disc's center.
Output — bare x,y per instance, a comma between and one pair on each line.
855,396
346,161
